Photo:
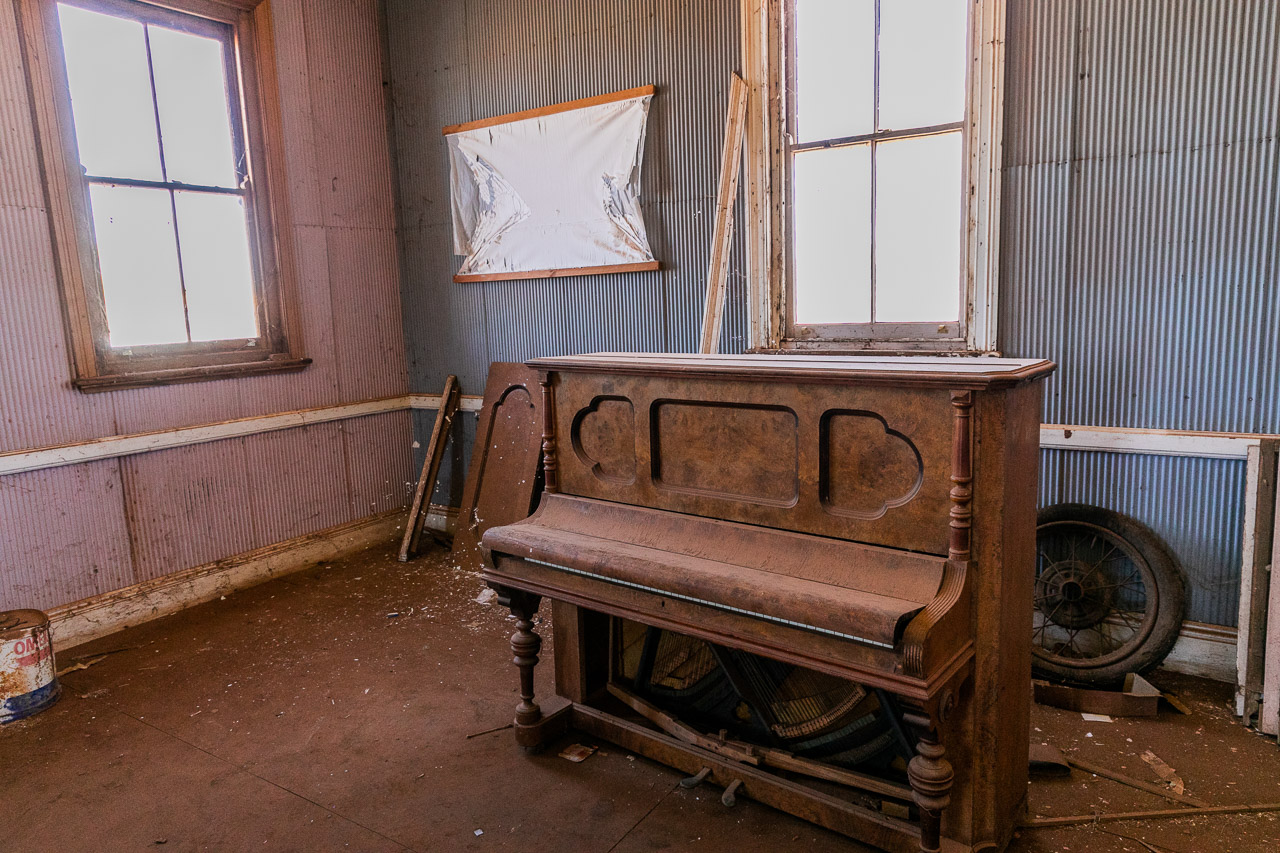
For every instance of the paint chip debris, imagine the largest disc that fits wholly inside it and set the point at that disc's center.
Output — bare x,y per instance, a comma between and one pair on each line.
578,752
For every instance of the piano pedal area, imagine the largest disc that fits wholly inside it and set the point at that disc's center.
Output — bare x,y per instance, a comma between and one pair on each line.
804,724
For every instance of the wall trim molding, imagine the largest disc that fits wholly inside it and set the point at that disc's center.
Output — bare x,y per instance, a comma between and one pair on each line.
113,446
100,615
1157,442
1209,445
110,447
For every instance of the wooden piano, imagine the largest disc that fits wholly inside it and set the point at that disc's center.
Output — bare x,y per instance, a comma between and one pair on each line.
871,518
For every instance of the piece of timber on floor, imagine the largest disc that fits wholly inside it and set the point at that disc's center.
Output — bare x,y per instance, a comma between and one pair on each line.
868,517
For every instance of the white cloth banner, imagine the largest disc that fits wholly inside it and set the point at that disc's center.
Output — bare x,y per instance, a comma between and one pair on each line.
555,192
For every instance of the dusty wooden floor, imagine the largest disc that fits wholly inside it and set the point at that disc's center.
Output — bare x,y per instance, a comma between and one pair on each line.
300,715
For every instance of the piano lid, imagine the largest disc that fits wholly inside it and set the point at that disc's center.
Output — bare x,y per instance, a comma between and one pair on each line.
974,373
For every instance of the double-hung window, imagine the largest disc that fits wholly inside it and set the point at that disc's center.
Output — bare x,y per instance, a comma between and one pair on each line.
871,166
154,143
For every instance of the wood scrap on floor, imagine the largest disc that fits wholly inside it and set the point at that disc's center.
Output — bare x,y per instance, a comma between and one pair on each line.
1157,814
1164,771
1138,699
430,469
1175,794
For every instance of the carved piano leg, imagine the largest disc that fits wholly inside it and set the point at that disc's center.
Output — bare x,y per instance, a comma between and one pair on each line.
930,775
525,645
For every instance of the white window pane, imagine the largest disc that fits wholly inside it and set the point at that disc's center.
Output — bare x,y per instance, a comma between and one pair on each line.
191,92
832,218
918,221
110,94
138,259
835,68
922,62
216,266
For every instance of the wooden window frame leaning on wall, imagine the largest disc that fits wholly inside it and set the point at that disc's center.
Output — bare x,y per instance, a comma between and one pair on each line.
95,364
767,179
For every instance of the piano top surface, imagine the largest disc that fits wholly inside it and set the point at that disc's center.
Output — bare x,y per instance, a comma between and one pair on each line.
967,372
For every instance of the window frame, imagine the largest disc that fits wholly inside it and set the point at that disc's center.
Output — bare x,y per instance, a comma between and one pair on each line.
95,364
769,74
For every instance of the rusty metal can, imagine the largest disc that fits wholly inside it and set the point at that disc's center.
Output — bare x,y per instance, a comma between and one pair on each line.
28,676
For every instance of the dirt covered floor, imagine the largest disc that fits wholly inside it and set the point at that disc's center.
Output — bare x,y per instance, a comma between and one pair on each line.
358,706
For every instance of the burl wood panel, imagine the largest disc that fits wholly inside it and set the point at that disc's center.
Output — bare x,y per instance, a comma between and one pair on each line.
868,464
688,442
502,479
603,438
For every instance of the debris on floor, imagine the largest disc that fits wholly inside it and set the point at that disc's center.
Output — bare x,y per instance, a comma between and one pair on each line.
577,752
1165,772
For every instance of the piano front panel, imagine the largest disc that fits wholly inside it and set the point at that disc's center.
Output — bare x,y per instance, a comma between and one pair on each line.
869,464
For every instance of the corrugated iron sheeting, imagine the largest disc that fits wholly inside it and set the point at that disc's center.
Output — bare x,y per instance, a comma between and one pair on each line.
1194,505
293,500
21,186
188,506
37,404
1142,212
63,535
379,456
72,532
455,62
344,59
1139,249
453,469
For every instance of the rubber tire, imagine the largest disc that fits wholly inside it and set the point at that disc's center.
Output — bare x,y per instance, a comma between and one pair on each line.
1171,608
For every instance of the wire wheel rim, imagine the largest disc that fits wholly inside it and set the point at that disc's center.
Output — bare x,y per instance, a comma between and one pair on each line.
1070,597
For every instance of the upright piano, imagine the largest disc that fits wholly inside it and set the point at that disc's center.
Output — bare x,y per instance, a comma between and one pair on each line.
871,518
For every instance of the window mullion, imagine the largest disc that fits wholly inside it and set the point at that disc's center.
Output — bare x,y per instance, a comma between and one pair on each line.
164,174
875,128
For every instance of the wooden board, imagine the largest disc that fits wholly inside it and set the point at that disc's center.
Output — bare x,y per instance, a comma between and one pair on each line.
581,103
642,266
730,162
502,479
430,468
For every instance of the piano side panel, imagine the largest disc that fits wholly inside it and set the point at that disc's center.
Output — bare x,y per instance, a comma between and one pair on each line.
868,464
988,736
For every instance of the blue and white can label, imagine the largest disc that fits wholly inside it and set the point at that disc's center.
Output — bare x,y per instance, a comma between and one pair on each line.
28,675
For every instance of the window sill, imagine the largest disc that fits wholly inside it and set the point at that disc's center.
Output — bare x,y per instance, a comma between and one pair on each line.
870,347
177,376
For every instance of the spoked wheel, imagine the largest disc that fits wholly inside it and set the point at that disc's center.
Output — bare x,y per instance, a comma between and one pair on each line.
1109,597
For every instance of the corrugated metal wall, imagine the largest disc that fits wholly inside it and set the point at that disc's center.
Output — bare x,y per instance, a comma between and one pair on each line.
69,533
456,61
1140,244
1139,241
1142,209
452,62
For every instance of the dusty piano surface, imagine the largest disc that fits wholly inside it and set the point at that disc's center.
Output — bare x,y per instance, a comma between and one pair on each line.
871,518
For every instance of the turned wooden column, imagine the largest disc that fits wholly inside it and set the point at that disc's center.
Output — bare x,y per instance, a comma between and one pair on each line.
931,776
525,645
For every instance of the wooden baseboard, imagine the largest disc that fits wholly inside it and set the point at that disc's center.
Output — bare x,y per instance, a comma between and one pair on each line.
91,618
1208,651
